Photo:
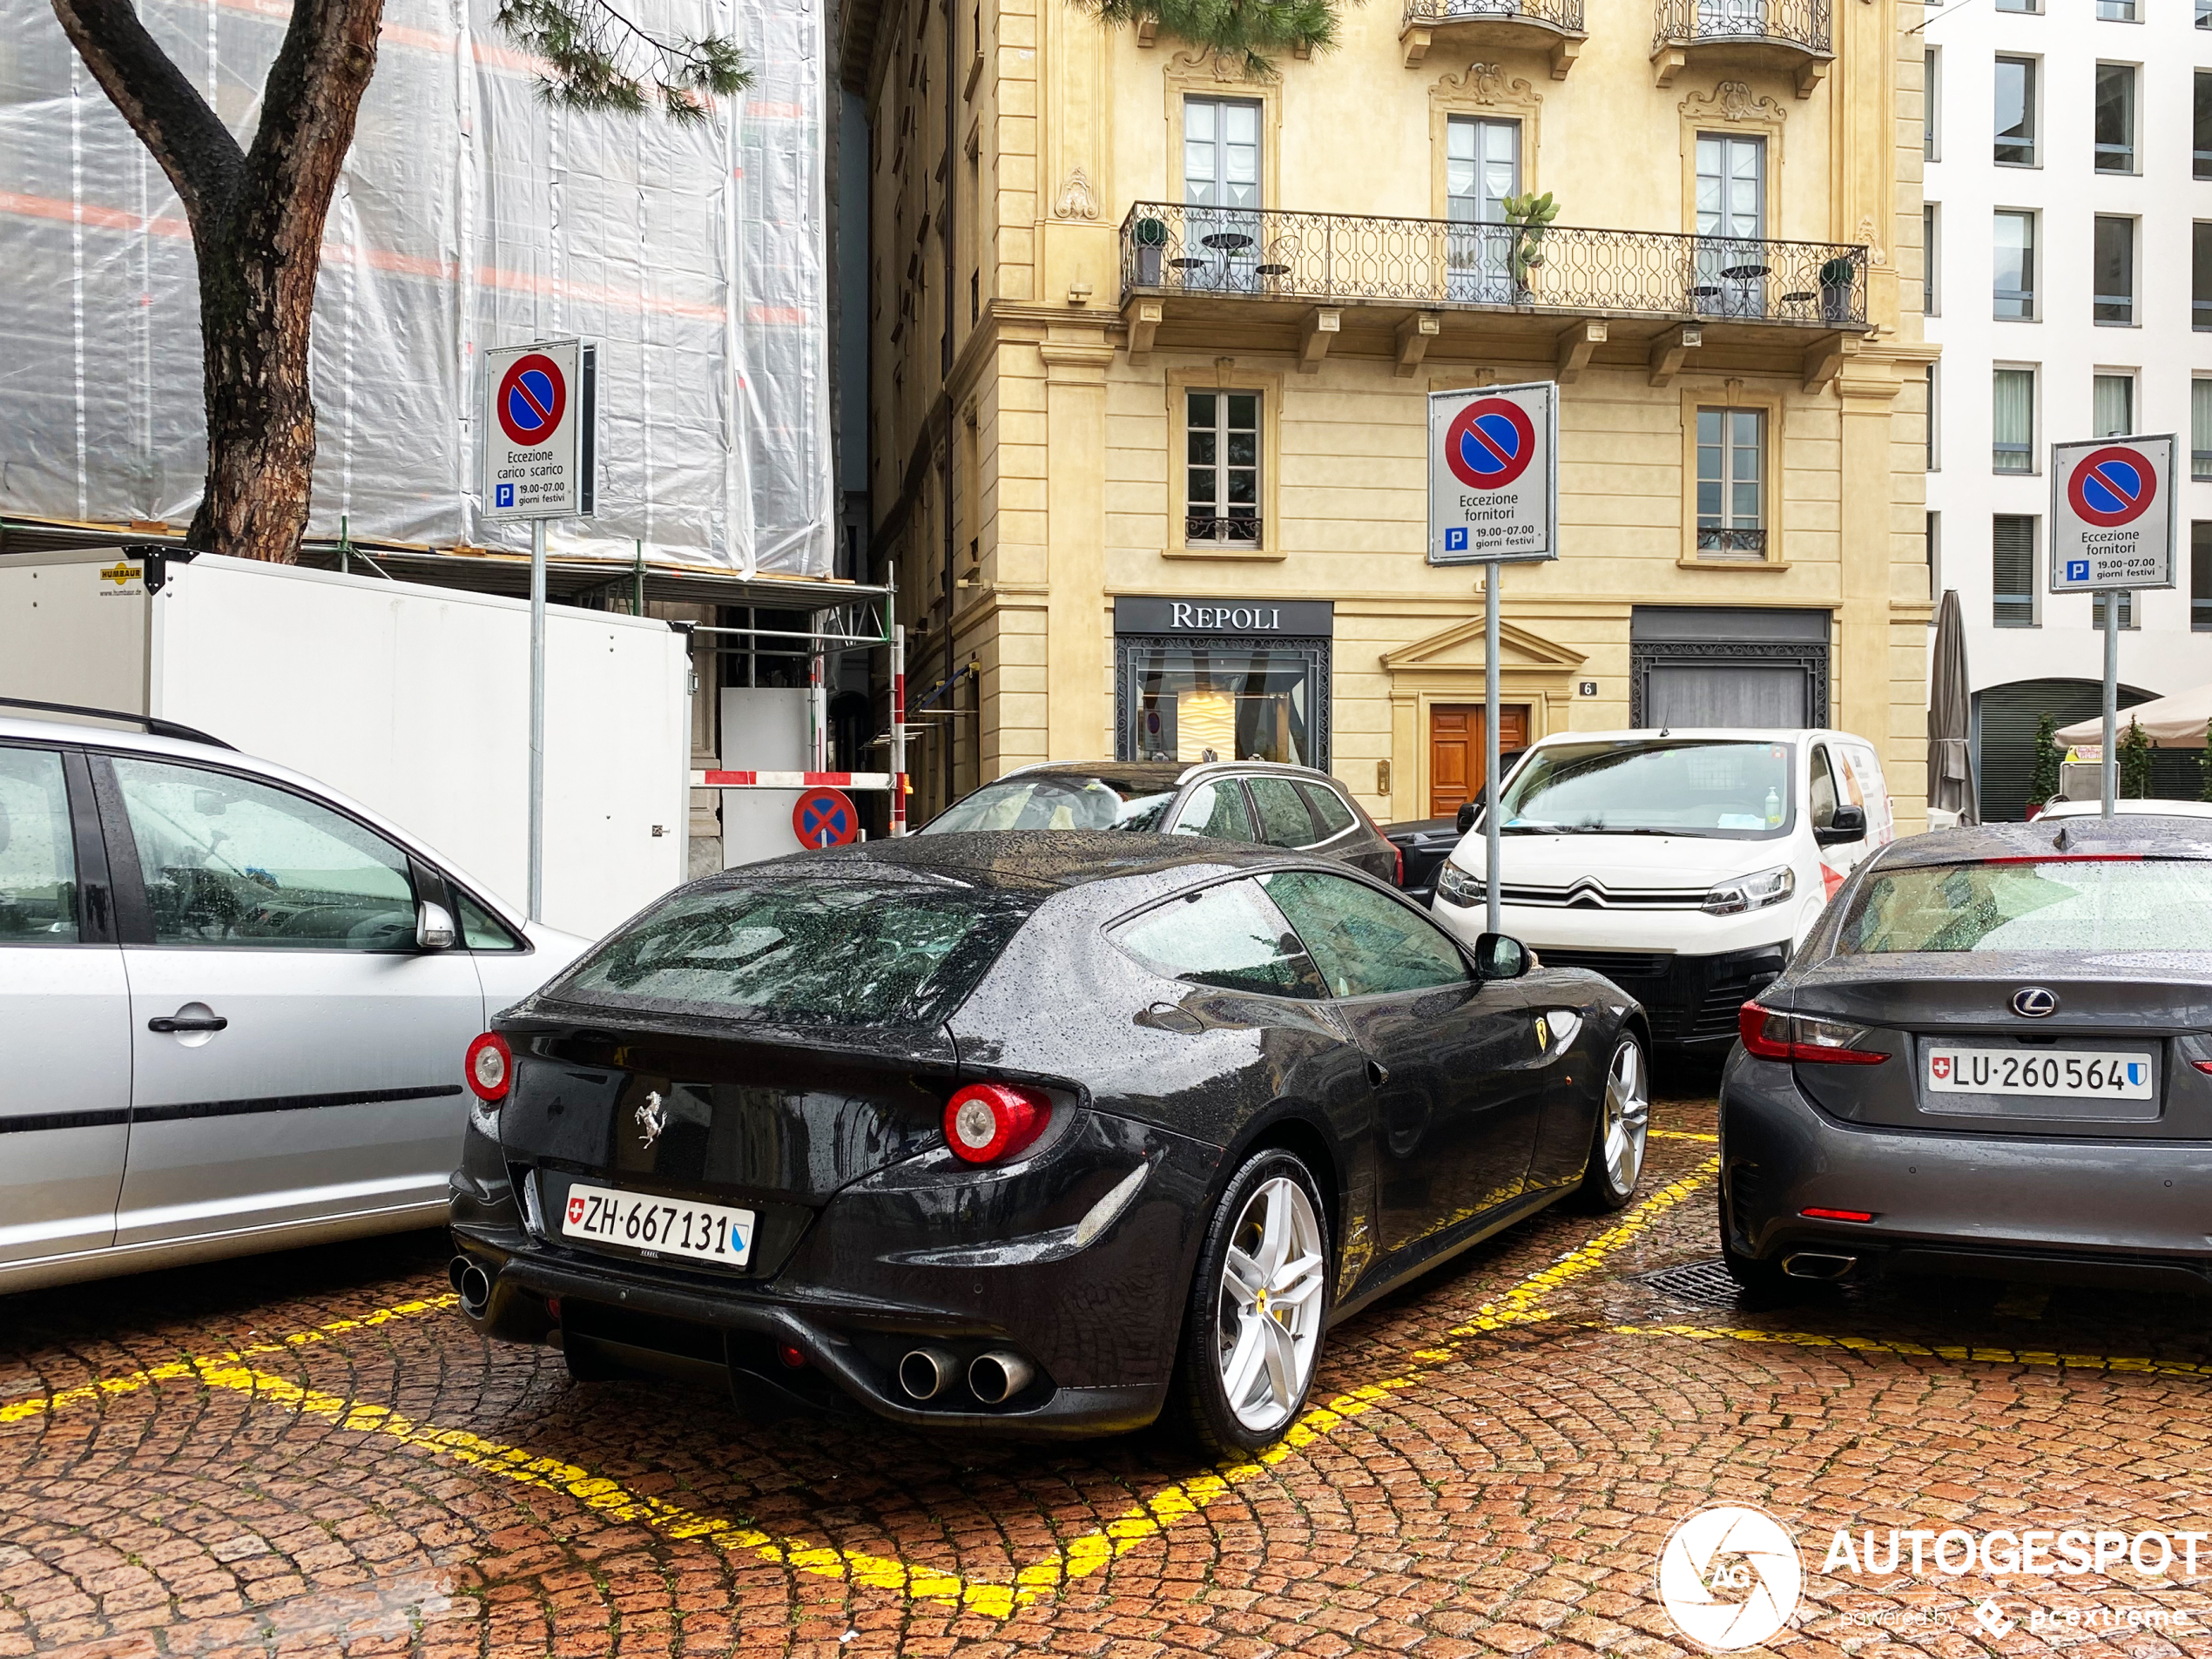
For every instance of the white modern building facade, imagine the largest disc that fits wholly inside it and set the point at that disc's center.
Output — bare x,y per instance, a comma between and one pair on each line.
2068,282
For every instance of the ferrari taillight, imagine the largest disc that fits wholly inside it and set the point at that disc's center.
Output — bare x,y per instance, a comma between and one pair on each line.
985,1122
490,1068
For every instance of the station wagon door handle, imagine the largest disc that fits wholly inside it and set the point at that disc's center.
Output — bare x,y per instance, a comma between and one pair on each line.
171,1023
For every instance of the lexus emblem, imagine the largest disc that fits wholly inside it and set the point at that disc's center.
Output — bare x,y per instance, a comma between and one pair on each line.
2034,1002
652,1120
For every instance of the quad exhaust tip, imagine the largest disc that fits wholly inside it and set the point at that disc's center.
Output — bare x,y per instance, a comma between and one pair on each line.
996,1377
927,1372
1814,1264
471,1284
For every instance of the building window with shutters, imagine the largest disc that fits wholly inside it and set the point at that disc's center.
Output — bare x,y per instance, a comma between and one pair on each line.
2115,268
1221,446
2201,429
1732,483
2116,117
2013,291
2201,275
2200,577
2015,112
2112,403
2012,570
2011,447
2097,611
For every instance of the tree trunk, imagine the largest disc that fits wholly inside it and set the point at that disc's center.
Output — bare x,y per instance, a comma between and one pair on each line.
257,221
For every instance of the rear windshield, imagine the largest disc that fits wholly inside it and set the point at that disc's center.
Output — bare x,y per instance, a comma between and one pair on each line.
809,952
2063,904
1059,802
1728,789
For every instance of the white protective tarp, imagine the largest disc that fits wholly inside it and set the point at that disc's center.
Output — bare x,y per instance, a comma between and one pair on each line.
471,215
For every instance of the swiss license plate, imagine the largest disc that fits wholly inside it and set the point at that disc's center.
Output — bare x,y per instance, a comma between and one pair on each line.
2046,1074
707,1232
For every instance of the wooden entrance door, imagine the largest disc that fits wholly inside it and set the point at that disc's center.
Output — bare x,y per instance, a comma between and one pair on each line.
1455,749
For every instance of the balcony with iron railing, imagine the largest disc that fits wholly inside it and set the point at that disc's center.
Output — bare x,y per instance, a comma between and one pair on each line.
1793,36
1198,271
1552,26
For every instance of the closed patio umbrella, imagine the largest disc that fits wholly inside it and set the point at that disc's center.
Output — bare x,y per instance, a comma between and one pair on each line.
1950,767
2176,722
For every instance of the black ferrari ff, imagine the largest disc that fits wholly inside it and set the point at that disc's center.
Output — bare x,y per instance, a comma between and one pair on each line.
1032,1132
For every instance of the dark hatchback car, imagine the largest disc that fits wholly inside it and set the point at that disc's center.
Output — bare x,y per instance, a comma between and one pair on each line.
1258,802
1425,844
1992,1058
1027,1132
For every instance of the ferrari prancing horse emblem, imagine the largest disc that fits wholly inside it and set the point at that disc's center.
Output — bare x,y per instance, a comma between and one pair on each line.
652,1120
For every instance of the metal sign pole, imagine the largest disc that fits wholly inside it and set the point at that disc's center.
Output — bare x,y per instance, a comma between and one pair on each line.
537,720
899,728
2110,769
1494,921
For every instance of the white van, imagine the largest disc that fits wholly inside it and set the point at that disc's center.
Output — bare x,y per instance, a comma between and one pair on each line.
1684,866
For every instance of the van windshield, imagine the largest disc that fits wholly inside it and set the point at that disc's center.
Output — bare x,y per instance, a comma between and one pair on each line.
1732,789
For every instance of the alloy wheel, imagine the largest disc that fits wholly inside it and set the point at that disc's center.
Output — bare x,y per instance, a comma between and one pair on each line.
1627,1116
1270,1322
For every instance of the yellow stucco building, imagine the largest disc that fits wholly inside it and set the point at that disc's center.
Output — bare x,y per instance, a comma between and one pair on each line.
1152,340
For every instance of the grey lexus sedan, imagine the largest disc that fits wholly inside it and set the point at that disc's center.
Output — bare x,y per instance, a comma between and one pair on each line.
1992,1058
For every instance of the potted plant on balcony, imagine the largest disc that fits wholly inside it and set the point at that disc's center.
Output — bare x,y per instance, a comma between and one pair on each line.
1530,215
1150,236
1836,277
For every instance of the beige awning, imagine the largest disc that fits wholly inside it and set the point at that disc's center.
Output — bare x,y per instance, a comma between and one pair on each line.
2176,722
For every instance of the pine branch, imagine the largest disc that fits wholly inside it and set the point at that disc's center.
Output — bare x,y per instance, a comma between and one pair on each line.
1249,29
602,59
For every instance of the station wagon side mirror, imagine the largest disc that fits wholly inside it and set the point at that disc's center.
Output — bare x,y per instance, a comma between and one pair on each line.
1501,956
434,927
1847,824
1468,813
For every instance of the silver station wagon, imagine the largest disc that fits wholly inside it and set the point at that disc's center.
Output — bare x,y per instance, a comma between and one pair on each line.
233,1005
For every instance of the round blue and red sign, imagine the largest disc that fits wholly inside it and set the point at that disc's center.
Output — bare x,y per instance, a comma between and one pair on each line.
2113,485
824,816
1489,443
533,395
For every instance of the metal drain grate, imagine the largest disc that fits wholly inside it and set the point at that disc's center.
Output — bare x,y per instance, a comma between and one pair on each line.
1706,1284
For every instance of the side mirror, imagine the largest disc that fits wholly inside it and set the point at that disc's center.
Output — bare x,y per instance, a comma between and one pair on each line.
1848,824
1468,813
1501,956
434,928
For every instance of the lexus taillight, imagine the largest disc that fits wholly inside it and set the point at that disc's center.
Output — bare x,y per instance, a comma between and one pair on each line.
1399,853
1769,1035
985,1122
490,1068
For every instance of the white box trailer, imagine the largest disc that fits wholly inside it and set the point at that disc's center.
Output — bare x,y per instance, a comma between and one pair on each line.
414,700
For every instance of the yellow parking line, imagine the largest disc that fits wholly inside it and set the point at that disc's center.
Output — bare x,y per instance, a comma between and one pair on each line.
608,1497
1150,1515
1916,1351
17,1411
1080,1557
1682,1134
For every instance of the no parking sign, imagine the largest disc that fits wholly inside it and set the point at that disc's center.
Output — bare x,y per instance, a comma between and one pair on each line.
2112,514
541,430
824,817
1494,474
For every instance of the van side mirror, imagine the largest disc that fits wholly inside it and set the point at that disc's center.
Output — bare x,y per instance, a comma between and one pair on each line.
1468,813
1847,824
1499,956
434,927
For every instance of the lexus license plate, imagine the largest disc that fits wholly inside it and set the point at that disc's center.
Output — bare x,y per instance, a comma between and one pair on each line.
707,1232
2047,1074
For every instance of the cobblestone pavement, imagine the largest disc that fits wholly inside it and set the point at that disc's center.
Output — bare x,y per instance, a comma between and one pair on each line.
311,1454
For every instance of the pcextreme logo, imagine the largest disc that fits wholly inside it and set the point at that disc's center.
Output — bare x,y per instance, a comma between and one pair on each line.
1730,1577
